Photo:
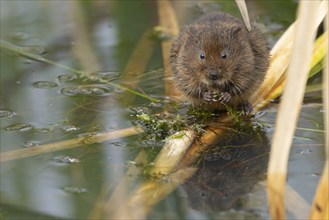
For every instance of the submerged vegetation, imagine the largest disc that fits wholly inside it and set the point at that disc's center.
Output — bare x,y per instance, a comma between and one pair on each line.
161,125
158,126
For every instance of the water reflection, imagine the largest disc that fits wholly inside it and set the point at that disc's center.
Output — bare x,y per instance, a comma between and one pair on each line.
228,171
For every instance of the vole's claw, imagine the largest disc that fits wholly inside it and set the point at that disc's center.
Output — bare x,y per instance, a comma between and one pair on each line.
210,96
225,97
245,108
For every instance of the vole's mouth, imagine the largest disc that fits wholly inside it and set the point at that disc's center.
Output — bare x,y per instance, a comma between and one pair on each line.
214,84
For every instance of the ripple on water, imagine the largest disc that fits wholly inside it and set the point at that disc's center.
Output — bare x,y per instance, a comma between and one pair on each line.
75,190
6,113
87,134
19,36
119,144
19,127
97,91
120,90
44,85
85,90
66,160
43,130
107,76
31,144
67,78
110,76
70,128
70,91
38,50
93,90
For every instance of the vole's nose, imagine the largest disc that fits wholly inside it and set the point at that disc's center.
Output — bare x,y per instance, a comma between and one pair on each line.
213,74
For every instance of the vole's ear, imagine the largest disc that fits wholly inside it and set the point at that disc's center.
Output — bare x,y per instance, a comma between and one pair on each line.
194,33
190,29
235,30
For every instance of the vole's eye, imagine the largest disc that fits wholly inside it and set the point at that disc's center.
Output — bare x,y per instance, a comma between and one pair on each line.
202,56
223,55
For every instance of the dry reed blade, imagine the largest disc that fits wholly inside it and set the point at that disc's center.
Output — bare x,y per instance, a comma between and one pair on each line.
82,49
290,106
150,193
320,205
279,60
119,195
319,52
168,22
67,144
136,64
244,12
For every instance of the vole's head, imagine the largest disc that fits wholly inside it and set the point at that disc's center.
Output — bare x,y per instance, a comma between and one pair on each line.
218,56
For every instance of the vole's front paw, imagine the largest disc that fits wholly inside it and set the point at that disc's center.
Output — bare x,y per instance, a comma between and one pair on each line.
245,108
210,96
224,97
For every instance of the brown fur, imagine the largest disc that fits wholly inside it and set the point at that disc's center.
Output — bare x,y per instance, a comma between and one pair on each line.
237,75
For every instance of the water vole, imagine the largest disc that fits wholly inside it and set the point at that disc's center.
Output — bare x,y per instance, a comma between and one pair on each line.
216,61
